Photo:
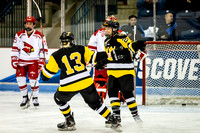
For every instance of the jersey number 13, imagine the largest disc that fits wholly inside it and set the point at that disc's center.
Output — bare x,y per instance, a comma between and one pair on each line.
78,67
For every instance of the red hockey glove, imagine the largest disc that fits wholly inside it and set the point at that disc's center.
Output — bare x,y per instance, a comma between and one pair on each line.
14,62
41,62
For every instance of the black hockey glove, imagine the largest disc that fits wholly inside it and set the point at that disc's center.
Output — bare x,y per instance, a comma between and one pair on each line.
139,45
100,65
120,54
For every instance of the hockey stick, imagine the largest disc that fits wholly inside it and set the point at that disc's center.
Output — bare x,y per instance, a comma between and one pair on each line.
42,35
40,15
28,102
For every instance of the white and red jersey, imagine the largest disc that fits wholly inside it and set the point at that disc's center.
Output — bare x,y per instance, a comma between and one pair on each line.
29,48
96,42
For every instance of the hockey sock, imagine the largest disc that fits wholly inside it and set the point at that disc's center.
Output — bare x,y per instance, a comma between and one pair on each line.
65,110
115,104
104,111
34,87
132,105
22,85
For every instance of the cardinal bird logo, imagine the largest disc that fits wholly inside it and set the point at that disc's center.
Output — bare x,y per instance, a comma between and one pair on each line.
28,48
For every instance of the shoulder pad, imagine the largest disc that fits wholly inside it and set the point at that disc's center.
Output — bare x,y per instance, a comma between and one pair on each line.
121,35
38,33
21,32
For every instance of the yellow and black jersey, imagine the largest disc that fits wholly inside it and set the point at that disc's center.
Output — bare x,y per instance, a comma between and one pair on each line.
72,63
119,47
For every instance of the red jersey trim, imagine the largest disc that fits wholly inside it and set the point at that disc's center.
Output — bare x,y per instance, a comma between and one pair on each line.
92,47
98,31
21,60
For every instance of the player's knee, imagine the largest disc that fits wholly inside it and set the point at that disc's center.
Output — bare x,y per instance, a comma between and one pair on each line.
57,100
21,81
95,105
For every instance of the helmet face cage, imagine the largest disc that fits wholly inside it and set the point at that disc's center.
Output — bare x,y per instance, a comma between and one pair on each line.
67,37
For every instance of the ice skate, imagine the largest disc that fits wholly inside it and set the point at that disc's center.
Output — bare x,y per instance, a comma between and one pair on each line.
115,125
25,103
35,101
68,125
108,124
138,120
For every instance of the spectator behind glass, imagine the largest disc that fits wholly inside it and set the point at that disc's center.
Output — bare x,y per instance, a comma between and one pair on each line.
129,28
168,31
145,7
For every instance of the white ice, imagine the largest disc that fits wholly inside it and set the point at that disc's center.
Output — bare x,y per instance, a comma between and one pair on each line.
157,119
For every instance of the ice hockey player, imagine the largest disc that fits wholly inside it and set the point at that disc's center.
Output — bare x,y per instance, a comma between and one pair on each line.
71,59
27,56
120,68
96,43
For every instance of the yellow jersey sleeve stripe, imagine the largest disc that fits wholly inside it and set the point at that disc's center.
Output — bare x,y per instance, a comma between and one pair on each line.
115,104
132,105
66,112
52,65
88,54
106,113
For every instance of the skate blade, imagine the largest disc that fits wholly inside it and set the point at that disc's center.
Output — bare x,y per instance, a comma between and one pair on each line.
108,125
140,125
67,129
26,106
117,128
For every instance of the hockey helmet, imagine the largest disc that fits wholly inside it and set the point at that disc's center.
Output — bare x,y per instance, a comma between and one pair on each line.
66,37
111,21
30,19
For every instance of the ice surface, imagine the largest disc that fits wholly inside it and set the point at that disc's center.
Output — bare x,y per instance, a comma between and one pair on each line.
157,119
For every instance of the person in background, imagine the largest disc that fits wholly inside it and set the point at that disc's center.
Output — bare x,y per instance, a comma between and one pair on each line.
28,55
130,31
168,31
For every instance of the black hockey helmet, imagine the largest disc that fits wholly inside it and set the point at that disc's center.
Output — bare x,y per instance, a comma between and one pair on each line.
66,37
111,21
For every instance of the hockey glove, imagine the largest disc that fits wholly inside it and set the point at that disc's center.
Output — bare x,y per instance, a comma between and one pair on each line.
41,62
120,54
139,45
14,62
100,65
